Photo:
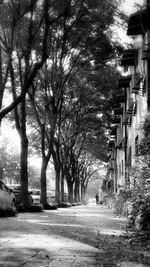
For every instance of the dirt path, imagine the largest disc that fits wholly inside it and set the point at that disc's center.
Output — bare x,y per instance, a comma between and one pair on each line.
85,236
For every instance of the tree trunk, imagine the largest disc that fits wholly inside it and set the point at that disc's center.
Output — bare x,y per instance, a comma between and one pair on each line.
77,193
70,191
79,190
43,181
24,196
57,183
62,186
82,194
56,159
1,80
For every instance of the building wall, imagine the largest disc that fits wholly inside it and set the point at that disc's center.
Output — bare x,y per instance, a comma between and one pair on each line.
129,132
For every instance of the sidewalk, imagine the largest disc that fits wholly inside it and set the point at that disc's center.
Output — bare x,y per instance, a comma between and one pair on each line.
83,236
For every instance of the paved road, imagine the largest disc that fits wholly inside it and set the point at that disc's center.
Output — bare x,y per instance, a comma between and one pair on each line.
83,236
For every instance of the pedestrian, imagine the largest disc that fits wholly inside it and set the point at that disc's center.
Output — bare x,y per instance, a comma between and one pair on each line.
97,198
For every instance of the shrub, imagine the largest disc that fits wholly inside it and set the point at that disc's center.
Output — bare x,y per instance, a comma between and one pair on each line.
123,202
32,208
9,212
139,218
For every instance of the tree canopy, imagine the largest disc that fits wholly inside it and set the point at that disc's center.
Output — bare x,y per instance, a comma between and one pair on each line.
56,62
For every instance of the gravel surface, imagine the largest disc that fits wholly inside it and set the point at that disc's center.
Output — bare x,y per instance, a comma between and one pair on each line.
84,236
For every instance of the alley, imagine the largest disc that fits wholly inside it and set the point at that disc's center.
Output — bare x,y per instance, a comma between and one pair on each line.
82,236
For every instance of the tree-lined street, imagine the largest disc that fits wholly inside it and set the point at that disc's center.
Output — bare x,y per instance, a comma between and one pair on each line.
66,92
57,83
78,236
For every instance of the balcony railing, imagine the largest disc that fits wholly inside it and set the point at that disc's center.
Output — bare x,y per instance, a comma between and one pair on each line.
131,110
120,97
116,120
129,57
118,111
137,23
135,82
127,120
124,81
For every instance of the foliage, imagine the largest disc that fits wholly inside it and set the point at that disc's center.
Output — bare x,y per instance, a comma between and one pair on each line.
9,161
133,200
122,202
104,185
32,208
109,200
34,176
9,212
96,96
59,53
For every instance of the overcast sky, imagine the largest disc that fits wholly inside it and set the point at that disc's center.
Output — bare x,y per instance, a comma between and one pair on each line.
129,5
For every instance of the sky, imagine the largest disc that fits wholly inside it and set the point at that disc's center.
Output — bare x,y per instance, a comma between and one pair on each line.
129,5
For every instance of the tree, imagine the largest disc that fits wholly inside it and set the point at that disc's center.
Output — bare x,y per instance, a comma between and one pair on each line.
79,41
24,39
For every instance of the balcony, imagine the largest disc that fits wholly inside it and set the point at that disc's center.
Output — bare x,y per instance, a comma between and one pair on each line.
111,145
111,166
119,146
111,169
131,110
125,121
113,131
135,83
116,120
129,121
118,111
120,97
137,23
129,57
124,82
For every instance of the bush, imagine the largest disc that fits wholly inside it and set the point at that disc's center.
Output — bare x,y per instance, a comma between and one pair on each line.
32,208
109,200
139,218
9,212
123,202
50,207
64,205
134,203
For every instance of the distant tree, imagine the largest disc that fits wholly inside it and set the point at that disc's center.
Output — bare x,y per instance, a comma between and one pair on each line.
34,176
9,161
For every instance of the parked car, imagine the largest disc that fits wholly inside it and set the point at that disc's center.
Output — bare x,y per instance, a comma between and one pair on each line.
16,190
51,196
7,197
36,195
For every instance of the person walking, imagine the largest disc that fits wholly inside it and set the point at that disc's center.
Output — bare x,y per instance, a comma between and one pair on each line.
97,198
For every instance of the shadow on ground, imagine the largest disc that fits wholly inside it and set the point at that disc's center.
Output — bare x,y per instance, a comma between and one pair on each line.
42,237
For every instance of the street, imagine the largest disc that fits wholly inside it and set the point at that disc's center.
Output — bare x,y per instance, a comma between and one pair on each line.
82,236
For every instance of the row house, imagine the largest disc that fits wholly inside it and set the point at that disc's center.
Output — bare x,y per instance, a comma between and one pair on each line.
132,100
